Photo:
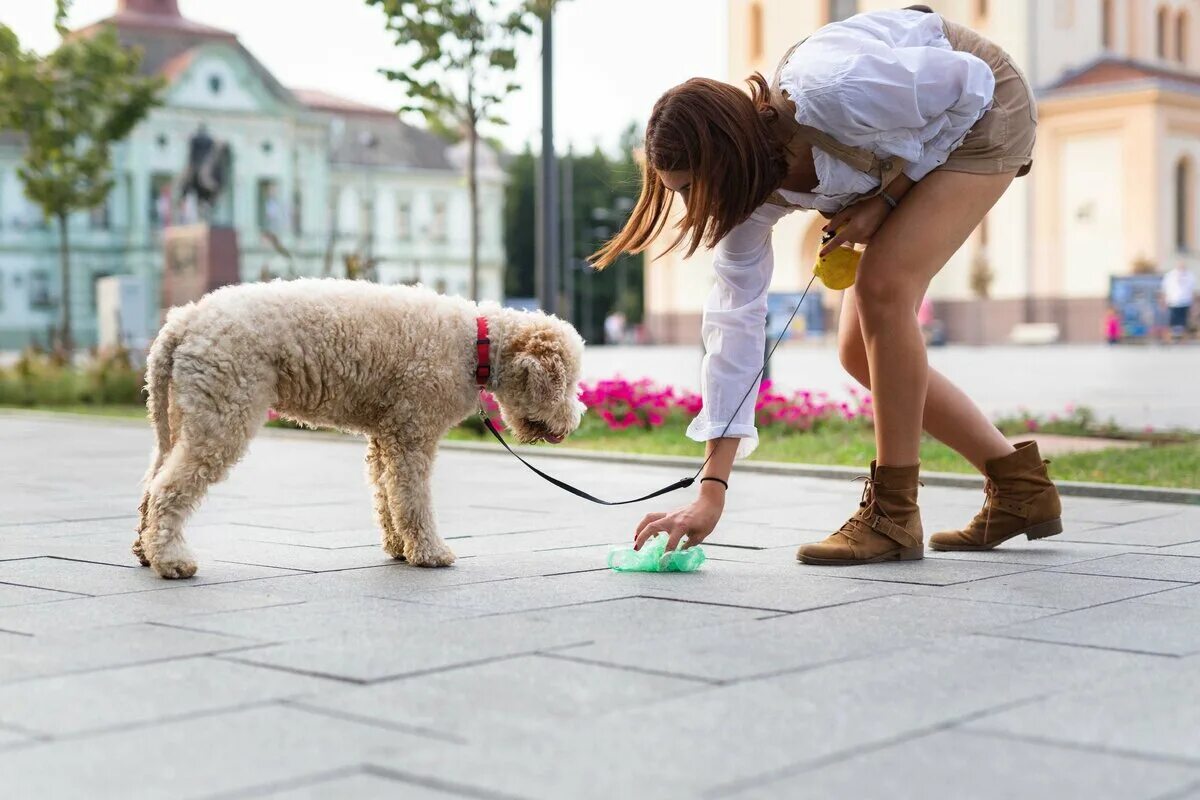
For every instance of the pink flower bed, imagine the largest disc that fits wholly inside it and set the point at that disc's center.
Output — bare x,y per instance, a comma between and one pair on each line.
622,404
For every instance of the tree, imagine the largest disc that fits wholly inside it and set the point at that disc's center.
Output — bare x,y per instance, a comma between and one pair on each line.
72,105
474,41
604,189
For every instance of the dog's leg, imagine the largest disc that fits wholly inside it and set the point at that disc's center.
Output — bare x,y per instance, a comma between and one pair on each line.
408,469
195,464
162,449
393,544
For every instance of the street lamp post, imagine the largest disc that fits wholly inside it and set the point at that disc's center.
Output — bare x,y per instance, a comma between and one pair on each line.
548,251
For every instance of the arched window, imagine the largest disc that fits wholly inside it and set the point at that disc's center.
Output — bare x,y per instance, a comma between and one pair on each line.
1183,204
1108,24
1163,22
1181,37
756,31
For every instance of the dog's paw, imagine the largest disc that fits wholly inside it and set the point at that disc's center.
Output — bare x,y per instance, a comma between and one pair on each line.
174,561
431,556
140,552
394,547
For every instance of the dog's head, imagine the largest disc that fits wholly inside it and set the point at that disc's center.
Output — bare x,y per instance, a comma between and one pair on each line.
539,387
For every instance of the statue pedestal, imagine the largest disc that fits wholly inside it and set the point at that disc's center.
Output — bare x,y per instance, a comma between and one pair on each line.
196,260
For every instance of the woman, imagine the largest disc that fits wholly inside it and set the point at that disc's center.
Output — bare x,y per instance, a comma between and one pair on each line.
903,130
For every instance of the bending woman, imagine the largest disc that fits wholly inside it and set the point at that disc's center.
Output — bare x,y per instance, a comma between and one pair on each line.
903,130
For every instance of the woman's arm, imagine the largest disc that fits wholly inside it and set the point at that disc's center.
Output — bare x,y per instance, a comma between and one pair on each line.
734,331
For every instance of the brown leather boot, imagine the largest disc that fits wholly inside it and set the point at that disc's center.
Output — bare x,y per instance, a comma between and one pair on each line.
887,526
1020,500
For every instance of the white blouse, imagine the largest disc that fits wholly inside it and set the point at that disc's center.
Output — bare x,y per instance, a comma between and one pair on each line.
886,81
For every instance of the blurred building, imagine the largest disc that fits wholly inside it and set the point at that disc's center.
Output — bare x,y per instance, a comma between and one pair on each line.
1113,188
315,178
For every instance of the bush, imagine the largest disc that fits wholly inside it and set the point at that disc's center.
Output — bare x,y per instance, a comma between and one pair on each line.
42,379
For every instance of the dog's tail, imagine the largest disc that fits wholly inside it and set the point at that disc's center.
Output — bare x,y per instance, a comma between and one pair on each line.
159,365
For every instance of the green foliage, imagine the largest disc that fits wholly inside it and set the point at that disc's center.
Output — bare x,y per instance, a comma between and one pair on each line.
71,105
602,184
41,379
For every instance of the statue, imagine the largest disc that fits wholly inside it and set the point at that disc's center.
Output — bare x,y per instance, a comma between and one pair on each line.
207,171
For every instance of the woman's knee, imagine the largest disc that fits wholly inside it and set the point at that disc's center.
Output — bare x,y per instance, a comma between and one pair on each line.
885,289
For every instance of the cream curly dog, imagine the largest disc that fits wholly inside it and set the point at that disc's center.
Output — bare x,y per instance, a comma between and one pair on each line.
397,364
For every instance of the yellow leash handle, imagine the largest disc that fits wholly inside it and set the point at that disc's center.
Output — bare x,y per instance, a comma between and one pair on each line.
838,269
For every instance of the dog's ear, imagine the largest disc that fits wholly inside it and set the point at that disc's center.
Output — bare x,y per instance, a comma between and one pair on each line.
538,362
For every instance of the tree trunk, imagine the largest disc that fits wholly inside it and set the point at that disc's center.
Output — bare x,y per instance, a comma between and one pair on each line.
65,340
473,189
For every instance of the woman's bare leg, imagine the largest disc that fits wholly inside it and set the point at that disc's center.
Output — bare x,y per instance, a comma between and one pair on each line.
949,415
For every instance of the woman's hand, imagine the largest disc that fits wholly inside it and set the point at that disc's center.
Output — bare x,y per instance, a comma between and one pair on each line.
695,520
856,224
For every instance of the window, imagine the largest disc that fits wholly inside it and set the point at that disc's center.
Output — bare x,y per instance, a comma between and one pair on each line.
1107,25
1183,205
270,210
404,220
1161,32
1064,13
438,229
40,298
1181,37
366,220
98,218
214,84
841,9
439,286
756,31
297,212
981,10
161,204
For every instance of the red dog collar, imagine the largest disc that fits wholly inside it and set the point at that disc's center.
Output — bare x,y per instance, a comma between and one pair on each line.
483,352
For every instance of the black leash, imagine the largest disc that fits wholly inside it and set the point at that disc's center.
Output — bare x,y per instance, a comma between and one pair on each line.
682,483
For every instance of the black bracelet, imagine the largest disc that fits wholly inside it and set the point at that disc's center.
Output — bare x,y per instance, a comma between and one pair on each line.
718,480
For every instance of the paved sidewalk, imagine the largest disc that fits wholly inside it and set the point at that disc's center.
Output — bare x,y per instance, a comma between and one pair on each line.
302,663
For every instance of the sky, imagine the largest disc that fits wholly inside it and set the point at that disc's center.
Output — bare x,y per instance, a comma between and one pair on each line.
613,58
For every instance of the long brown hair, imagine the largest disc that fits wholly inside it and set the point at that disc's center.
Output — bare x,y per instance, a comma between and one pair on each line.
724,138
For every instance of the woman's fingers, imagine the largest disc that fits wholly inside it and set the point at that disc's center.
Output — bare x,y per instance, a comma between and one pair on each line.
647,532
649,519
833,244
677,532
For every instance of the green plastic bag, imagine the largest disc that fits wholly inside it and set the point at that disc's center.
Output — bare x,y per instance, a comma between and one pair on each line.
654,558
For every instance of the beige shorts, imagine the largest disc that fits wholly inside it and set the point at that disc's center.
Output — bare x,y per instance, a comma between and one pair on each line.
1002,140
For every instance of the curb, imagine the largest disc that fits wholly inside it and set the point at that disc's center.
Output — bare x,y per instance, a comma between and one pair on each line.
1105,491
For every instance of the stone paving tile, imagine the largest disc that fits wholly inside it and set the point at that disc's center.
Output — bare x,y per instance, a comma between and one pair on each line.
523,594
201,756
728,735
1136,565
1051,589
1119,513
551,539
957,764
107,698
359,785
314,619
928,572
1045,553
79,577
1184,597
25,595
1131,625
27,657
1153,533
439,644
486,702
1153,711
788,643
10,738
1191,549
167,605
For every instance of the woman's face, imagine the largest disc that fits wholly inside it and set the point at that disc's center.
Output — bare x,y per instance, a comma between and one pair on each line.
678,181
